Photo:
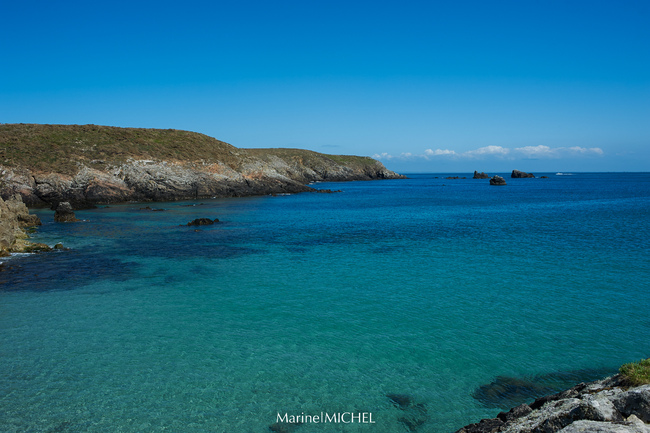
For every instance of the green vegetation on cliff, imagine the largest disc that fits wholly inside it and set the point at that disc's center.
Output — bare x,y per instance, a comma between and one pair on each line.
60,148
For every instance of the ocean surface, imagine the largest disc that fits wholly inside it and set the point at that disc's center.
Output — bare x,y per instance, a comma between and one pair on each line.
440,290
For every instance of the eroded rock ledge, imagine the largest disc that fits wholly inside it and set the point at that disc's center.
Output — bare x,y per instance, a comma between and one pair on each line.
605,406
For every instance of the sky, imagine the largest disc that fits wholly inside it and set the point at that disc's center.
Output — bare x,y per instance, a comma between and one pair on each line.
423,86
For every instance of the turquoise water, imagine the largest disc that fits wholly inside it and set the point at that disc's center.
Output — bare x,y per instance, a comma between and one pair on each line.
314,303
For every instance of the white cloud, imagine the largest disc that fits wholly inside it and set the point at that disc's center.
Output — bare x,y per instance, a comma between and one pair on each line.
537,152
439,152
487,150
585,151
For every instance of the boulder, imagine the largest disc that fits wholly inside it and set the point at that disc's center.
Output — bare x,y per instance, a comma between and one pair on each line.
64,214
480,175
519,174
497,180
635,402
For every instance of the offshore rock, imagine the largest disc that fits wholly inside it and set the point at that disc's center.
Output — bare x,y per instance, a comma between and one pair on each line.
480,175
497,180
520,174
64,213
202,222
600,406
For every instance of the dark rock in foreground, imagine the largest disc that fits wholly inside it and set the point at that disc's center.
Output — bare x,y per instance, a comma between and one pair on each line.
498,180
64,214
602,406
480,175
520,174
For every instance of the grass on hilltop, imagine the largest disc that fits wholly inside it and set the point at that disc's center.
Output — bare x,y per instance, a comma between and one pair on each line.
60,148
636,373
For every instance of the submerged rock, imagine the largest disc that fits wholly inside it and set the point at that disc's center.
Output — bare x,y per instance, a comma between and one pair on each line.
326,191
288,427
413,414
497,180
64,213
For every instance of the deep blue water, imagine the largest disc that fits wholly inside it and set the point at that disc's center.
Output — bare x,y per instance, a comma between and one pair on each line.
314,303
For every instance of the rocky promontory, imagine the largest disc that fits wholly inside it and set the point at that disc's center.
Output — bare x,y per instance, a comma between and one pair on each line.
604,406
86,165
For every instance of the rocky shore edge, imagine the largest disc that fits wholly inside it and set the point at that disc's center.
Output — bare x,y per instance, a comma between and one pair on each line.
15,222
603,406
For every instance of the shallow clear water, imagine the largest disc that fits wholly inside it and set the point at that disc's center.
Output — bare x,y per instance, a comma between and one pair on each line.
316,303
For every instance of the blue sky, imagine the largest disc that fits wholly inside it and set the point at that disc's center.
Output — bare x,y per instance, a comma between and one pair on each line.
422,86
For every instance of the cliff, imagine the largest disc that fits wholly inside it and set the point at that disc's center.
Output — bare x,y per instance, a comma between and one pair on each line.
90,164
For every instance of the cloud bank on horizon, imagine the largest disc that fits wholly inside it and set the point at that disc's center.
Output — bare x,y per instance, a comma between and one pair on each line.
525,152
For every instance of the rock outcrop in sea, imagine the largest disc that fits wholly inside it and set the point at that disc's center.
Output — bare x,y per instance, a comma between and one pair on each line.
497,180
604,406
86,165
480,175
520,174
64,214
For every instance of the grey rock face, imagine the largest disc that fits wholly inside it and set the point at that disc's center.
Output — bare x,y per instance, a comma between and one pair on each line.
149,180
585,426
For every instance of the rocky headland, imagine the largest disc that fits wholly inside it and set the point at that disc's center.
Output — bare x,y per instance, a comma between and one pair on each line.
604,406
86,165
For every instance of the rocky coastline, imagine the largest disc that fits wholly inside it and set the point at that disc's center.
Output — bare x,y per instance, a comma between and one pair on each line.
603,406
86,165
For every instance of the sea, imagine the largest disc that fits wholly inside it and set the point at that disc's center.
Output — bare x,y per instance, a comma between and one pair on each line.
420,304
